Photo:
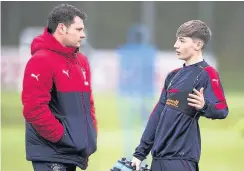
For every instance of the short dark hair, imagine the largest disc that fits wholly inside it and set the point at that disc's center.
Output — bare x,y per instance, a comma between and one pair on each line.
65,14
195,29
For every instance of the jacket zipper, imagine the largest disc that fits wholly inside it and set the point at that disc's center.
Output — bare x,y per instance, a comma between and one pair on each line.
85,111
84,107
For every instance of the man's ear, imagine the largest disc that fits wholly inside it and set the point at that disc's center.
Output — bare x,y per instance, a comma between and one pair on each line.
61,28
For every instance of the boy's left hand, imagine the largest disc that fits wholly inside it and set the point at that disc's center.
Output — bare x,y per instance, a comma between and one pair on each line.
196,100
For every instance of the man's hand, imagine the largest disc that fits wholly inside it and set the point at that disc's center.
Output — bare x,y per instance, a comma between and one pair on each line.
136,162
196,100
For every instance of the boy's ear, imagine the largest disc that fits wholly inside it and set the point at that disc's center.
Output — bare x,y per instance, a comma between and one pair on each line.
199,44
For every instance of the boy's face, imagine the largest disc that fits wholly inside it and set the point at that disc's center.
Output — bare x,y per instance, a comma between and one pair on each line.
186,47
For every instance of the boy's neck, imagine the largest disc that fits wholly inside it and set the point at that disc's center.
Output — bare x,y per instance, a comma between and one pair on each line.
194,59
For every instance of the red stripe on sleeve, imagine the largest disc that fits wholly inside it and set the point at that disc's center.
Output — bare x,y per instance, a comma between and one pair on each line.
216,87
155,106
220,106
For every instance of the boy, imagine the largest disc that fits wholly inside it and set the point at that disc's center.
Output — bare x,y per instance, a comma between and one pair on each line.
172,133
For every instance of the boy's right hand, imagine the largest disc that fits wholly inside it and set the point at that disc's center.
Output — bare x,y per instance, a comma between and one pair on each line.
136,162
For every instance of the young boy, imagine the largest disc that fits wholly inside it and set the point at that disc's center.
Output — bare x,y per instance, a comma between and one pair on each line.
172,133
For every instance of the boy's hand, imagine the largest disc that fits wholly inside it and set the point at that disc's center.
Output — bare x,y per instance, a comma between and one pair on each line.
136,162
196,100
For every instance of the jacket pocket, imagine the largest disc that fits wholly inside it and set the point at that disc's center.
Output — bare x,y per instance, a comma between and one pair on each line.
32,137
68,143
65,145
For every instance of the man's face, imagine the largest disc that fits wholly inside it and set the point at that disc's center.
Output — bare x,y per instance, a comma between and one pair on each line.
186,47
74,33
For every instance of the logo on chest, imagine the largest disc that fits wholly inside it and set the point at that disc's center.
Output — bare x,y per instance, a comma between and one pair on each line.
174,103
35,76
83,73
66,72
84,76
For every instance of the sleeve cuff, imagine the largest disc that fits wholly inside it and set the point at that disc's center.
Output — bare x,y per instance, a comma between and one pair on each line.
203,110
140,157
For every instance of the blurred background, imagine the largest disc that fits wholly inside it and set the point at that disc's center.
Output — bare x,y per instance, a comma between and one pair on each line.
130,48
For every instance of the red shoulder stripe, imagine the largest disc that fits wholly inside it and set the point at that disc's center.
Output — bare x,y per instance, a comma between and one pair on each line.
216,87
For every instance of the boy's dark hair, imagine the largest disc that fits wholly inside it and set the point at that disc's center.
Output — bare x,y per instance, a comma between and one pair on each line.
65,14
195,29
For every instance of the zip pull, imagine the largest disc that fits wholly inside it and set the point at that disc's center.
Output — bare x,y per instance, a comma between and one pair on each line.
172,80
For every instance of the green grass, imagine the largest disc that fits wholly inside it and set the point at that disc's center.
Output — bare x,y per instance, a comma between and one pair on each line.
222,141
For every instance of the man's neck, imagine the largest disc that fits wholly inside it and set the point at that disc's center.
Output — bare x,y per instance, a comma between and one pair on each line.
194,59
58,38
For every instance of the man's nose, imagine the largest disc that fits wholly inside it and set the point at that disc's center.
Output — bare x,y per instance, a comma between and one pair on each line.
83,35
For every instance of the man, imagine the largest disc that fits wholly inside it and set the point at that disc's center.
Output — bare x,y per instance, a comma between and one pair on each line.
172,132
58,107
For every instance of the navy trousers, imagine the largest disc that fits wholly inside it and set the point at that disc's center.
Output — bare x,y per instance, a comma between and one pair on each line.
47,166
174,165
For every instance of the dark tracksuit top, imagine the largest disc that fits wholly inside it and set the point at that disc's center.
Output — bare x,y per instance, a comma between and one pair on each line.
58,105
172,131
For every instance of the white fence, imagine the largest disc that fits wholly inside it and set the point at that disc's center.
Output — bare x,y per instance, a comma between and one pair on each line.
104,64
